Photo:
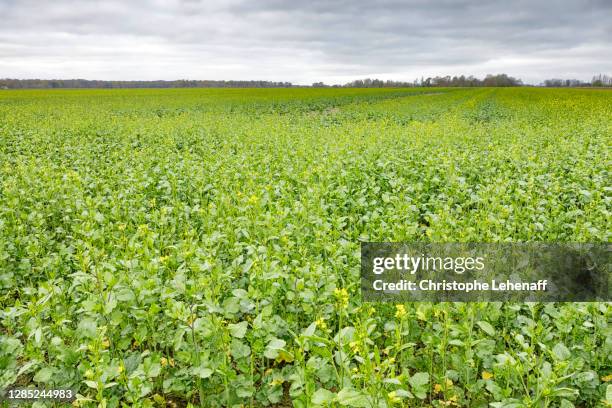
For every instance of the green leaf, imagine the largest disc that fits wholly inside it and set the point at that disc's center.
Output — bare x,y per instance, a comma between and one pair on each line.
38,335
564,392
284,355
561,352
202,372
87,328
110,305
609,394
231,306
322,396
273,347
44,375
419,384
345,335
310,330
153,370
403,393
352,398
587,377
238,330
239,349
419,379
494,389
486,327
125,295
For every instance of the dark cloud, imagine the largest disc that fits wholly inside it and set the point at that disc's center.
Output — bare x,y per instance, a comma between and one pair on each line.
334,41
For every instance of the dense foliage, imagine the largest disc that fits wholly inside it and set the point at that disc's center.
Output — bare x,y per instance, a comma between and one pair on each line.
174,247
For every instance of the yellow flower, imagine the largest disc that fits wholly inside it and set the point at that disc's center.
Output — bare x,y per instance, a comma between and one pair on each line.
167,362
342,296
253,199
607,378
393,397
486,375
400,311
321,323
440,387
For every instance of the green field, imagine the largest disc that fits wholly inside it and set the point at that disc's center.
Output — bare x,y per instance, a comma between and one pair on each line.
175,247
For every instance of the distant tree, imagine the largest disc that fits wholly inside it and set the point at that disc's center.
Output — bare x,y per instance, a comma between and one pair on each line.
567,83
553,83
601,80
378,83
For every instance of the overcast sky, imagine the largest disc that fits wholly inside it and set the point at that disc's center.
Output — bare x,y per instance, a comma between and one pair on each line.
303,41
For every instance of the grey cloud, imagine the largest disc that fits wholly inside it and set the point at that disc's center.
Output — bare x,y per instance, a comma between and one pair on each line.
303,41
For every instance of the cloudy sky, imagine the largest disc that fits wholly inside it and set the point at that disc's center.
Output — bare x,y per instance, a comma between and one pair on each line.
303,41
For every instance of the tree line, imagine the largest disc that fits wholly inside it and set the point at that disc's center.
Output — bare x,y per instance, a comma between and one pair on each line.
600,80
443,81
499,80
182,83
